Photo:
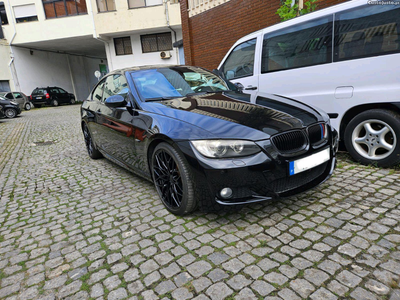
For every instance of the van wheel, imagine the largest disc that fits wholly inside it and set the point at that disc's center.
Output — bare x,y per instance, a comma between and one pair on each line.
373,137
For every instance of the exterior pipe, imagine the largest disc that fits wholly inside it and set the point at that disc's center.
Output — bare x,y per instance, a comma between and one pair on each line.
169,26
14,76
106,44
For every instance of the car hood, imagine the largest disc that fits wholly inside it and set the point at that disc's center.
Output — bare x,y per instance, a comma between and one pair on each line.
230,115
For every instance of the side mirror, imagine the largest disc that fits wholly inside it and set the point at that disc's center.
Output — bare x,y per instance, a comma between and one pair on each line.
115,101
239,86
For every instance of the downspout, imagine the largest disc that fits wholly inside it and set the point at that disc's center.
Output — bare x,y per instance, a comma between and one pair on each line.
169,26
106,44
14,78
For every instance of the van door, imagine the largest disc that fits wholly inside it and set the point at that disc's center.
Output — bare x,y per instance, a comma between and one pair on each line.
239,67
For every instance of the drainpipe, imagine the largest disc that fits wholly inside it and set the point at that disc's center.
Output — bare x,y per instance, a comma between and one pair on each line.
11,63
169,26
106,43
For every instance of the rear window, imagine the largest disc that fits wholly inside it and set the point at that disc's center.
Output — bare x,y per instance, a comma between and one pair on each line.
39,92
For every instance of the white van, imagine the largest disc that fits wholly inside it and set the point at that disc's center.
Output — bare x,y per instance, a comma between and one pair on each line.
344,59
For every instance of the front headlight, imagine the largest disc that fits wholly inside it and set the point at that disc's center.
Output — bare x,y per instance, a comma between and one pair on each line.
225,148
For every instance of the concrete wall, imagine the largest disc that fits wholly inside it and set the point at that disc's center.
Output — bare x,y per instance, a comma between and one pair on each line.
137,58
5,74
44,68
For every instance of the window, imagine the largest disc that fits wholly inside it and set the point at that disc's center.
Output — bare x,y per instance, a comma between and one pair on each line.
17,95
143,3
123,46
115,85
156,42
98,91
3,15
240,62
367,31
105,5
25,13
9,96
64,8
301,45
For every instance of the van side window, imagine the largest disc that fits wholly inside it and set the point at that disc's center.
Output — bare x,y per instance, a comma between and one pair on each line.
367,31
240,62
301,45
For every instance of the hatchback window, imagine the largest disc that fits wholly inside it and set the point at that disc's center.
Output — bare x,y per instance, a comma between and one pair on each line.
9,96
17,95
39,92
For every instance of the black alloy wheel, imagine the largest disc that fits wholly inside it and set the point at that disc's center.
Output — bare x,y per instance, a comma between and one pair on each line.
10,113
172,180
91,148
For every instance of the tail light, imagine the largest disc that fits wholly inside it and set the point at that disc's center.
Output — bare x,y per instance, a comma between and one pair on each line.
30,97
47,96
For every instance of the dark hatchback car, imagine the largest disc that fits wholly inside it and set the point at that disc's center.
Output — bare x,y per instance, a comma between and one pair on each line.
10,109
51,95
203,144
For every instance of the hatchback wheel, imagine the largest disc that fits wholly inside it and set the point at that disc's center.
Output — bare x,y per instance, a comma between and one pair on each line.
28,106
173,180
72,101
373,137
90,146
10,113
54,102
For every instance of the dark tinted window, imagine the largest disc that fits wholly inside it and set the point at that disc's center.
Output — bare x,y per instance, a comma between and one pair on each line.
367,31
301,45
3,15
115,85
240,62
39,91
156,42
123,46
9,96
98,91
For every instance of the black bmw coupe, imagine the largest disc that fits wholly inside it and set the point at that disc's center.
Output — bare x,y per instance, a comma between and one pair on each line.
202,142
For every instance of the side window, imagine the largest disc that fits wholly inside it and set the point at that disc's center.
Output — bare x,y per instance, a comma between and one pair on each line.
301,45
240,63
54,91
9,96
98,91
115,85
17,95
60,90
367,31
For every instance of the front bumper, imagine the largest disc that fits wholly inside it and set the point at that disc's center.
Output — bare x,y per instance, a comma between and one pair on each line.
264,176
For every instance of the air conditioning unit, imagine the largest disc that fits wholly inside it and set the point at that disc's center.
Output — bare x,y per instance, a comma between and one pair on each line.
165,54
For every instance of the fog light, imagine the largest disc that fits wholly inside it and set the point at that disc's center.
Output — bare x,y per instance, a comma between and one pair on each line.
226,193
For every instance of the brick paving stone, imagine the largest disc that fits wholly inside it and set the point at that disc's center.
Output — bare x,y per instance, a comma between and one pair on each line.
81,228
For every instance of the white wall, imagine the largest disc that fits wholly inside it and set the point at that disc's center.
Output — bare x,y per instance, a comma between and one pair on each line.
44,68
137,58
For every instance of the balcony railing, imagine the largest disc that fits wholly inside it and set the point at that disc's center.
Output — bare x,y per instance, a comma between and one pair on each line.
199,6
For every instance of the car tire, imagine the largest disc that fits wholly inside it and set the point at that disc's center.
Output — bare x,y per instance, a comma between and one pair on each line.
373,137
10,113
173,180
28,106
90,146
72,101
54,102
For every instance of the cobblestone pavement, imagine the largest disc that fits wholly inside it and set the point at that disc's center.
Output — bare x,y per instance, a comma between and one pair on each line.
76,228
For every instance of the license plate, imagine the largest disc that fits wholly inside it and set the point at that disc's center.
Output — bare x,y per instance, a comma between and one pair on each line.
38,97
309,162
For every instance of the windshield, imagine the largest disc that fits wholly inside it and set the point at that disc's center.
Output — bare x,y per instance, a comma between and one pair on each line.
176,82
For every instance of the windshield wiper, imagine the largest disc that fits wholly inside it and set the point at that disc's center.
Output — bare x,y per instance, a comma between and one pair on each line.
159,98
207,92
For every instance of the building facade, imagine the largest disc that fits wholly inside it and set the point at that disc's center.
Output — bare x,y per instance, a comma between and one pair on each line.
63,42
211,27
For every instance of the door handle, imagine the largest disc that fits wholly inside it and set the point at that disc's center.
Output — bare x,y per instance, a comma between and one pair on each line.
250,87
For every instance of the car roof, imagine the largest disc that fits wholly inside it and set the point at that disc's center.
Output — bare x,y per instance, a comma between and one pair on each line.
147,67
